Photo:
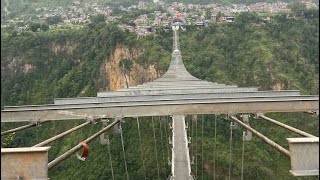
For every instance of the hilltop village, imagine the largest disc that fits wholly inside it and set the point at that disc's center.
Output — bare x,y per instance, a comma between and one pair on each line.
143,17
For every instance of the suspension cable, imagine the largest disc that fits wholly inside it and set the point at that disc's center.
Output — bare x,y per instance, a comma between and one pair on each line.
141,150
167,136
196,147
161,141
215,147
22,127
192,141
110,159
189,125
202,146
242,155
155,147
230,149
190,129
124,152
109,151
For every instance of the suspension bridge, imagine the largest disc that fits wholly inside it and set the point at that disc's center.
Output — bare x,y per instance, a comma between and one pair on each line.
176,94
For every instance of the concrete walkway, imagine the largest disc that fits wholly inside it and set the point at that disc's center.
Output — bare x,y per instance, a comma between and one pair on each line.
180,152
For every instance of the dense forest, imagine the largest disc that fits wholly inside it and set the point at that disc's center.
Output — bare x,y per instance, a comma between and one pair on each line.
282,53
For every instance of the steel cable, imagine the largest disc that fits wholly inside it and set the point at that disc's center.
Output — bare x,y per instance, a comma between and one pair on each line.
124,152
155,146
196,147
215,147
230,149
167,136
161,141
242,154
202,121
141,150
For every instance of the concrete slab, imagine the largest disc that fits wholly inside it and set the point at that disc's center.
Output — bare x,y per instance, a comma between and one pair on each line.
304,154
24,163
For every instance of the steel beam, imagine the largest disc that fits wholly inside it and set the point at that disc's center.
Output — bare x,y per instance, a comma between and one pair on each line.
262,137
180,82
79,146
105,111
32,124
313,113
61,135
295,130
176,88
86,100
164,102
172,80
174,91
304,153
24,163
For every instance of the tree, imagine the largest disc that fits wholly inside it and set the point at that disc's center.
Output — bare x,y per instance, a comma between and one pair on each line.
208,14
100,18
218,17
34,26
44,26
54,20
297,8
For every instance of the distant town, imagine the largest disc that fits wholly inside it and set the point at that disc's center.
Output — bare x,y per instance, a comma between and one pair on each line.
149,17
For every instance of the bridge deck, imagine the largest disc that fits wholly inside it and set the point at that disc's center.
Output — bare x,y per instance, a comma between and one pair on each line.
181,169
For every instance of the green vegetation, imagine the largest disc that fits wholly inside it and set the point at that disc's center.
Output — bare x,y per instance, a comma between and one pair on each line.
64,63
225,1
251,52
127,17
283,52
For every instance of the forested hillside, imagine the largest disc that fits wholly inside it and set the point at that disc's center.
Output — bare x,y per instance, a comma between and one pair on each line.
279,54
282,53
